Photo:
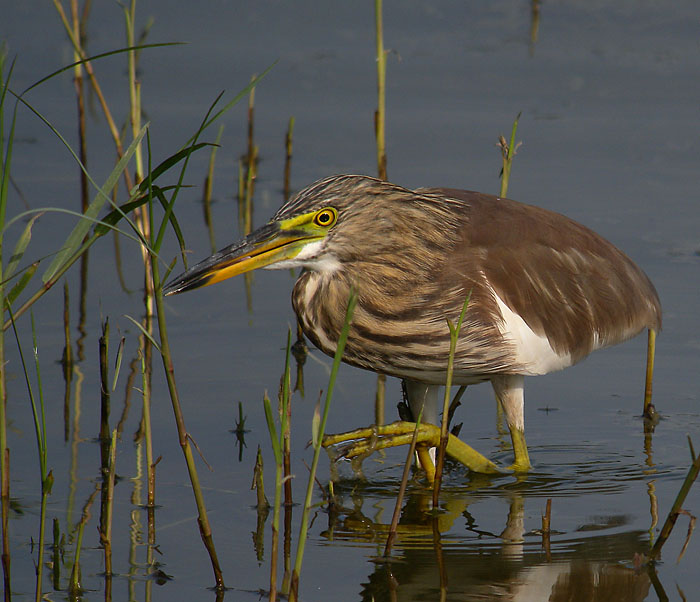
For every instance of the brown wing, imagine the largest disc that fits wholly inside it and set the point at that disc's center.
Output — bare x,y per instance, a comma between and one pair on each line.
563,279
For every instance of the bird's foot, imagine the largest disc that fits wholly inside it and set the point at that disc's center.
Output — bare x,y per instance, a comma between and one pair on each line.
365,440
426,458
522,458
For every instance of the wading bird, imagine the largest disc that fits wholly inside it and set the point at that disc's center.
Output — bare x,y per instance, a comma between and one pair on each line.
544,290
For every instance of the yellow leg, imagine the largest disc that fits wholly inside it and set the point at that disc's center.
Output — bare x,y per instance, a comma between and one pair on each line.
423,452
522,458
509,392
651,351
400,433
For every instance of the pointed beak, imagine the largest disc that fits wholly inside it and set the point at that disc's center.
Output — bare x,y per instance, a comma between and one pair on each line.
267,245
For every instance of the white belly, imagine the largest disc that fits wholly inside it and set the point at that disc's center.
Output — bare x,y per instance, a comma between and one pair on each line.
533,350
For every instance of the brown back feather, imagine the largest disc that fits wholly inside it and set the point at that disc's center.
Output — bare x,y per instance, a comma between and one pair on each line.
563,279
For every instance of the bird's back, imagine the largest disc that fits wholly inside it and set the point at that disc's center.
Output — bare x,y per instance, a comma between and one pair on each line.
563,280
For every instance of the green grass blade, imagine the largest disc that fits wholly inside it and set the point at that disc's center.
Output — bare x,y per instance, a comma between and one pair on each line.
172,219
118,362
316,425
32,399
6,160
444,435
95,58
68,147
77,236
106,226
21,284
19,249
303,529
188,152
272,429
40,389
171,161
109,221
508,154
244,92
147,334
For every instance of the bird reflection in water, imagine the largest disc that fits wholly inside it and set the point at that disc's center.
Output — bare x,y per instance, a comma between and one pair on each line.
508,565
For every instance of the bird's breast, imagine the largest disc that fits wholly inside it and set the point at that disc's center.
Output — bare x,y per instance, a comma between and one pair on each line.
320,309
406,337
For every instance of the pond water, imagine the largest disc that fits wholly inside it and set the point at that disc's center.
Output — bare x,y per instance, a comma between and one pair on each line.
610,105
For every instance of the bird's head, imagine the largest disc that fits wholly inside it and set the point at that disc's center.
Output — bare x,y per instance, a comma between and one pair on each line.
318,229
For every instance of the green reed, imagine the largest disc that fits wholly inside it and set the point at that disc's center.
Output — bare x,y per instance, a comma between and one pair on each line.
280,449
317,439
39,416
57,548
6,156
508,150
78,25
75,589
380,115
89,228
444,434
108,513
402,488
166,357
146,425
380,136
108,445
156,195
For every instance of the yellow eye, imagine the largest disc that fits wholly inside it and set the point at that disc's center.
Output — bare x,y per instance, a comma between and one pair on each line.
326,217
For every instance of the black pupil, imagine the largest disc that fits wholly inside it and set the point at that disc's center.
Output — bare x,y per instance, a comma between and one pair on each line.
324,218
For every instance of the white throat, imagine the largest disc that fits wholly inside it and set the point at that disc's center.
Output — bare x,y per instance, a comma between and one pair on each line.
309,258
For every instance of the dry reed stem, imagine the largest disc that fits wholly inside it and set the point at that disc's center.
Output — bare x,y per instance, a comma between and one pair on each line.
4,450
80,99
56,555
439,559
402,490
166,356
113,129
106,535
5,513
546,529
547,517
209,188
288,158
67,363
676,510
145,346
105,399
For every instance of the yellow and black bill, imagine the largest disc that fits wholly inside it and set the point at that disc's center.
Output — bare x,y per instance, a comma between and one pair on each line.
268,245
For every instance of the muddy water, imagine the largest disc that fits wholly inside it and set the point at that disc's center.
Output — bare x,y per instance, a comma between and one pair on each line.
609,100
